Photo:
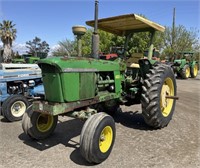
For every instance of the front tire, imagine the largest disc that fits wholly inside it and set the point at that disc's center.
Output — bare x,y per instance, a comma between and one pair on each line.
14,107
97,137
38,125
157,110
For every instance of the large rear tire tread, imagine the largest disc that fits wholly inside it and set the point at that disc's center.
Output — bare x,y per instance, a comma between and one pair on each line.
7,107
90,134
150,98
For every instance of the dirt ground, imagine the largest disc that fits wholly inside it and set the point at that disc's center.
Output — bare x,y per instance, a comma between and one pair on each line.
136,145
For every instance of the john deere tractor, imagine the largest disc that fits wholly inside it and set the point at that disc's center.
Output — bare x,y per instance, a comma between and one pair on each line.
185,65
93,89
29,58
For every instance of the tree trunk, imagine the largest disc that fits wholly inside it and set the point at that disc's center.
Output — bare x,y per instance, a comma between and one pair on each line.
7,53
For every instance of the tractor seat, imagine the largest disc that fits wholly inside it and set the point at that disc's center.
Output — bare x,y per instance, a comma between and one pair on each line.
134,65
132,62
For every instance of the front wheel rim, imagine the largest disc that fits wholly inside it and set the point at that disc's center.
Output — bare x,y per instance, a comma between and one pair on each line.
105,139
44,122
166,104
18,108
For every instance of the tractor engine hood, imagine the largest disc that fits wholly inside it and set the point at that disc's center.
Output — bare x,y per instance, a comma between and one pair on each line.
74,79
80,64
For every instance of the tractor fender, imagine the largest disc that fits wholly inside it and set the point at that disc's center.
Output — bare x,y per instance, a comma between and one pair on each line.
193,63
146,65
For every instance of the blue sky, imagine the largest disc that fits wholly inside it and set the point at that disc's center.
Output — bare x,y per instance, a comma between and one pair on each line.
52,20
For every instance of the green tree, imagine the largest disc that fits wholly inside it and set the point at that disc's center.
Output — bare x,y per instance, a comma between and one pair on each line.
87,43
7,35
184,40
104,44
37,46
138,43
66,48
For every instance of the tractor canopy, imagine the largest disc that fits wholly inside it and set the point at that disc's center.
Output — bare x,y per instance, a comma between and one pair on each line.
125,24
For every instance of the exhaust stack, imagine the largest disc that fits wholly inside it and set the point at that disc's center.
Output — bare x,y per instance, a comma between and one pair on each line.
95,36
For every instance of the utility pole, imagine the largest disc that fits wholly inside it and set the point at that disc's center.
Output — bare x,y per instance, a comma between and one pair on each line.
173,29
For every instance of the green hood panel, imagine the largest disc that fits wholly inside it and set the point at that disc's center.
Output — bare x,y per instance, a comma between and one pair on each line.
75,79
81,64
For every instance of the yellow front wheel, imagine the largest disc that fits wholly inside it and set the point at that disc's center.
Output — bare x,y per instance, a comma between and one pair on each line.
38,125
97,138
105,139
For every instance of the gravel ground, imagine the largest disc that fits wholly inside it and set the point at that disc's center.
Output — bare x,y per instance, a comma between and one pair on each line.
136,145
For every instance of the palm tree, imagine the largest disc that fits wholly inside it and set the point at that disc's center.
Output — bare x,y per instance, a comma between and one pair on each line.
7,35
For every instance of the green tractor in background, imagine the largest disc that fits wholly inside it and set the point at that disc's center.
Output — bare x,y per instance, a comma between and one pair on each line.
29,58
185,66
92,88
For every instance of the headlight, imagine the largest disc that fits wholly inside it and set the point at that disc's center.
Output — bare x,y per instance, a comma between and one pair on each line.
31,83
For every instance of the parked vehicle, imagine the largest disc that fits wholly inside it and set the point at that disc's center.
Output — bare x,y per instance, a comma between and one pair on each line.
185,65
19,85
114,53
29,58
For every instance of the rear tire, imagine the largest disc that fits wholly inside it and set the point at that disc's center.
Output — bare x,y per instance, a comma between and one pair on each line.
194,71
38,125
185,72
97,138
14,107
157,110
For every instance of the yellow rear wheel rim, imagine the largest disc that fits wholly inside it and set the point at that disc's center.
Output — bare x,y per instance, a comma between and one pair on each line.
166,104
195,70
105,139
187,72
44,122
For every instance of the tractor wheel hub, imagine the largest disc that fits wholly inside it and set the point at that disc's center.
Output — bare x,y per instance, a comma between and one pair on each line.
165,92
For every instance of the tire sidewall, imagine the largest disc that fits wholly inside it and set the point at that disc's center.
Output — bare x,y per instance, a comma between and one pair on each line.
33,130
8,103
165,75
95,150
151,96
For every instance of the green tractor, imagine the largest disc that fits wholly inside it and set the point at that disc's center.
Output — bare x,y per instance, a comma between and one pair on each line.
93,89
185,65
29,58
